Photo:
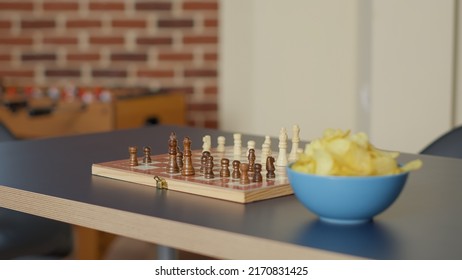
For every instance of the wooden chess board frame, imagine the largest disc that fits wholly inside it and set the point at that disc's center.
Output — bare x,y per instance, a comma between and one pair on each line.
218,187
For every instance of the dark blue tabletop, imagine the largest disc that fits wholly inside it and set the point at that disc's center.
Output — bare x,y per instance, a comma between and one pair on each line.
424,223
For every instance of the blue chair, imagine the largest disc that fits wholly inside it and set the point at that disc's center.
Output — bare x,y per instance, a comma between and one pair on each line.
447,145
24,236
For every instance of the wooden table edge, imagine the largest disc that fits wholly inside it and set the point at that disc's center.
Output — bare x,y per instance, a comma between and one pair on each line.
197,239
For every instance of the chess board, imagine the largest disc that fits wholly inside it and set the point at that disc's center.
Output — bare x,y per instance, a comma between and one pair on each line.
225,188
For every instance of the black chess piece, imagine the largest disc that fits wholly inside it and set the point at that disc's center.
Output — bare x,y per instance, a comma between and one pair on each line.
133,157
270,168
224,171
208,170
257,177
244,179
188,168
172,165
147,155
205,155
236,172
179,159
251,158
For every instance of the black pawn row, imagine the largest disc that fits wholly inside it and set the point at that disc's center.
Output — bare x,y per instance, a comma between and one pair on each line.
241,171
133,161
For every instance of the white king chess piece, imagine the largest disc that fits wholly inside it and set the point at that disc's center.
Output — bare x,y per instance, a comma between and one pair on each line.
295,142
281,161
237,148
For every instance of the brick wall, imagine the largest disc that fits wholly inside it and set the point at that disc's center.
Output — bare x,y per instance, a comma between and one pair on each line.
157,44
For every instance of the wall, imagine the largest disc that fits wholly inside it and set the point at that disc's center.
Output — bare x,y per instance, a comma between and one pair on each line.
383,67
90,43
412,78
458,68
288,63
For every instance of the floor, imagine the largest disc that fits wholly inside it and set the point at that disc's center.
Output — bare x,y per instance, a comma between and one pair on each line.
123,248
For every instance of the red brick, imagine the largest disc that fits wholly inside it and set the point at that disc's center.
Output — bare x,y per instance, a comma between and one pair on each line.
175,56
83,57
97,40
199,5
16,41
5,24
13,5
38,57
17,73
5,57
200,39
106,6
192,123
60,40
62,73
186,89
211,90
83,23
156,73
60,6
211,56
38,23
129,23
129,57
154,40
204,107
153,6
211,124
175,23
109,73
211,22
200,73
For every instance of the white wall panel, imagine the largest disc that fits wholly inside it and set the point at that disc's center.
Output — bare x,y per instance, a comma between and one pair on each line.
412,55
295,62
303,61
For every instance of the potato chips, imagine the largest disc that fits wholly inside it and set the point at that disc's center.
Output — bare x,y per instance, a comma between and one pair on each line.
341,153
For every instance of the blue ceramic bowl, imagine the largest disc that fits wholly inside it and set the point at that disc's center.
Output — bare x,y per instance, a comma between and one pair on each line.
346,199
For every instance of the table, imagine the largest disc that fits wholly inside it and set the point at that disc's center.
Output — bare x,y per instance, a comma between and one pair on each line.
52,178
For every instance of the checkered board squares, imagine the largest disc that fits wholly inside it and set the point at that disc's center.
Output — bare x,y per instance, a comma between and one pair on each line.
217,187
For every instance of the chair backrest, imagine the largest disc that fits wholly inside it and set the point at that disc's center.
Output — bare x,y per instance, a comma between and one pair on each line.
5,133
447,145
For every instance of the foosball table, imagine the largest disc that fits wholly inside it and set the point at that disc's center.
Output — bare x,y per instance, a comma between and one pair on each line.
28,117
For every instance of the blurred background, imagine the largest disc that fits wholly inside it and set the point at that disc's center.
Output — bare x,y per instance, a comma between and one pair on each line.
388,68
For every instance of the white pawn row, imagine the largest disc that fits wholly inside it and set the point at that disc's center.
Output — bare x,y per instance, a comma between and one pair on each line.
283,157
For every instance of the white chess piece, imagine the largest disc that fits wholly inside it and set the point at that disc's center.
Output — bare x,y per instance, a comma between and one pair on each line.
265,152
237,151
221,144
295,143
267,140
250,145
207,143
281,161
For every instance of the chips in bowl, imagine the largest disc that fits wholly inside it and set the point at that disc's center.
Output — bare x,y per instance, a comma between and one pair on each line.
344,179
341,153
